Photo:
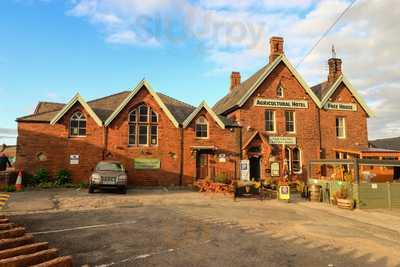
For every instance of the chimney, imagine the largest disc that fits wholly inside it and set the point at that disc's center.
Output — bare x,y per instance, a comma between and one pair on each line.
335,69
235,80
275,47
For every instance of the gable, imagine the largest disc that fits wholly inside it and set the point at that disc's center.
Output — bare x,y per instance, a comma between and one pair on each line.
240,95
142,85
341,83
77,99
203,106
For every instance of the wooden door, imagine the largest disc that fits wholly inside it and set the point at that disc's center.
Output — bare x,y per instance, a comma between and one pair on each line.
202,166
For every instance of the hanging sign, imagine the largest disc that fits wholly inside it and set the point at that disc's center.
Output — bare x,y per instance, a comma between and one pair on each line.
341,106
222,158
276,103
245,170
282,140
74,159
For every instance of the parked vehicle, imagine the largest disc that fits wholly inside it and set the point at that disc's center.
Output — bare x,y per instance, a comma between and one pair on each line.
108,174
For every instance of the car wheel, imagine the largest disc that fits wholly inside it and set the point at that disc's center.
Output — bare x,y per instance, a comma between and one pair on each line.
122,190
91,189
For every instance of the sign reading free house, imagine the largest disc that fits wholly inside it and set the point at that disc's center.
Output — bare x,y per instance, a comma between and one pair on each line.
276,103
282,140
146,164
341,106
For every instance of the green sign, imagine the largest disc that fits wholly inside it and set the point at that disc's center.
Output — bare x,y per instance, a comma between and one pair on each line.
146,164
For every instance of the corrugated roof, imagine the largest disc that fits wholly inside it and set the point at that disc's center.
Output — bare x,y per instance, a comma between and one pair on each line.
386,143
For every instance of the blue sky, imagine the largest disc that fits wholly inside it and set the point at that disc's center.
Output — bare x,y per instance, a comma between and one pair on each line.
51,49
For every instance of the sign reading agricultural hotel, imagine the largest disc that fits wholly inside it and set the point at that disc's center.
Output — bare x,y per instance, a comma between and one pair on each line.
273,103
273,123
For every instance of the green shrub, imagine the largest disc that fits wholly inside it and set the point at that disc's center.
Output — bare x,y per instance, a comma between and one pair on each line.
222,178
83,185
9,188
46,185
63,177
41,176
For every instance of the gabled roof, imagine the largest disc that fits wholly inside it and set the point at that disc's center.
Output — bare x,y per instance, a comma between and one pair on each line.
257,133
353,91
77,98
240,94
47,106
209,110
180,110
140,85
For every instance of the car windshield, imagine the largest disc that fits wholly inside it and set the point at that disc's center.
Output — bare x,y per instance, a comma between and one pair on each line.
109,166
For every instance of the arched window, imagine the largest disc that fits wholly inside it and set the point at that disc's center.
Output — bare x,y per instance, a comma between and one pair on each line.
143,127
201,127
296,160
77,125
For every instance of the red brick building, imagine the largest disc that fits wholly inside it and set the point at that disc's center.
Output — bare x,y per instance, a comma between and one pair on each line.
273,119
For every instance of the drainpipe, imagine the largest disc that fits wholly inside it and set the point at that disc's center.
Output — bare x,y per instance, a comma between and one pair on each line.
181,156
105,141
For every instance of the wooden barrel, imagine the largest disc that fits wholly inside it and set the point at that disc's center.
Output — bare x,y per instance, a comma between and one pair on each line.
315,193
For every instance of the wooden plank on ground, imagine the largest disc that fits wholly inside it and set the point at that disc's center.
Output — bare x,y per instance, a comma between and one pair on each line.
65,261
5,226
10,233
22,250
30,259
16,242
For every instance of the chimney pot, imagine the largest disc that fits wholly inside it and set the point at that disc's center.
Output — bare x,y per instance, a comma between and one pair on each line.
276,47
335,69
235,80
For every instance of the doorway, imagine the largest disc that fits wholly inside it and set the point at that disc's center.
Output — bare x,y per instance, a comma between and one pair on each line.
202,166
255,172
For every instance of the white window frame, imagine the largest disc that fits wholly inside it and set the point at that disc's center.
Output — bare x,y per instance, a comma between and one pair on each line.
149,123
82,117
273,118
300,160
343,119
294,122
205,123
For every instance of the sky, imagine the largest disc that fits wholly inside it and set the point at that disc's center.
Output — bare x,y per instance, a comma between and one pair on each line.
52,49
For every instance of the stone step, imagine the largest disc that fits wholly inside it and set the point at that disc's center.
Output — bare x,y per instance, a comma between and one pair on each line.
11,233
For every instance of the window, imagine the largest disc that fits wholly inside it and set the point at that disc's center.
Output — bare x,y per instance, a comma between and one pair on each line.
201,127
289,118
143,127
296,160
340,128
279,91
78,124
270,121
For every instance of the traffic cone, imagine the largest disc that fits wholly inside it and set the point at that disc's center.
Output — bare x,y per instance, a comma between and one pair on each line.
18,184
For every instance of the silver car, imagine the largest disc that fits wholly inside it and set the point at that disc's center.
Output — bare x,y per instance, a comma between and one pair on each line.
108,174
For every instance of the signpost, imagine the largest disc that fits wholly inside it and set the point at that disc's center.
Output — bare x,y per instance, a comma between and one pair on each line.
284,192
146,164
276,103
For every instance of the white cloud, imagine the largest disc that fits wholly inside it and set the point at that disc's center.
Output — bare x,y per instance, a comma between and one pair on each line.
234,35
